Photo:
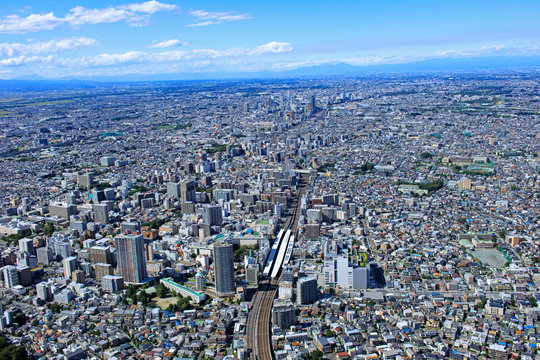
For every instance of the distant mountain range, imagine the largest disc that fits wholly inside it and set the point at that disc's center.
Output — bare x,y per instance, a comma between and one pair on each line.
340,69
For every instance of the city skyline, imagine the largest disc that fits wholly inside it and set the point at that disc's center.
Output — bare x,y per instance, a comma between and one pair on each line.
136,38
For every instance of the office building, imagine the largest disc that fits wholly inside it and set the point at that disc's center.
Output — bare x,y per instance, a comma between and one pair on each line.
78,276
174,190
98,196
212,215
70,265
62,249
107,161
338,271
112,283
44,255
130,258
224,269
27,245
62,210
85,180
101,213
224,195
25,275
100,254
130,227
11,277
252,274
187,191
101,270
43,290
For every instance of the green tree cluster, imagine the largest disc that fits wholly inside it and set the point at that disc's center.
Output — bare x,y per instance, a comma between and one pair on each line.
182,304
9,351
242,250
154,224
137,188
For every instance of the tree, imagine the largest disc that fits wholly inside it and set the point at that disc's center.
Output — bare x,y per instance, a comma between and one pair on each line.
315,355
426,155
54,307
184,303
161,290
9,351
366,167
19,319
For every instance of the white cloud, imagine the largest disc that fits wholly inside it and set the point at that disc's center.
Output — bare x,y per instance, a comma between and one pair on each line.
80,15
150,7
15,24
168,43
211,18
130,13
271,47
195,58
51,46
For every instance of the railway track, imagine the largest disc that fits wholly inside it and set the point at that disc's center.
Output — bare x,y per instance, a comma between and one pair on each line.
258,326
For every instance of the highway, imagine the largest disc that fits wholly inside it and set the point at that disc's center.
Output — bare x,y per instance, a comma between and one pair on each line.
259,318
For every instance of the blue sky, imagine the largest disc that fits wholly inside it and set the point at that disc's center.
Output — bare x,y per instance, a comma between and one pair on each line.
57,39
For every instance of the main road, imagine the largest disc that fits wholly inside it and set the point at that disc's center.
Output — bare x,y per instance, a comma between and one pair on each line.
258,325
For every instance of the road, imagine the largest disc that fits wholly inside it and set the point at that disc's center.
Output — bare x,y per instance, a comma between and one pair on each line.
258,325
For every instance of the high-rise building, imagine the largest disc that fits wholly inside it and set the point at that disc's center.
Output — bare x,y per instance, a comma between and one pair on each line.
11,278
85,180
252,274
101,213
187,191
106,161
212,215
25,275
200,281
224,269
306,290
27,245
62,249
130,258
78,276
100,254
283,314
101,270
70,265
98,196
43,290
62,210
338,271
112,283
173,190
44,255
